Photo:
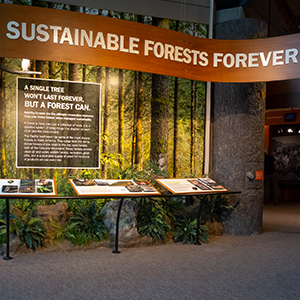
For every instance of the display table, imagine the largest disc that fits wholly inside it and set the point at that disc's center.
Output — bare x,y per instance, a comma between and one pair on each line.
202,196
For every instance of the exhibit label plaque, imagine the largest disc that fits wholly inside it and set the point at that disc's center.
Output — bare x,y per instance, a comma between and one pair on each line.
57,124
28,187
113,187
191,185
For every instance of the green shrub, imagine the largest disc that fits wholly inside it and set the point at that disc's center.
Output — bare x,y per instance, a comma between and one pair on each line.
185,230
31,231
87,225
2,232
151,220
78,205
218,204
23,204
61,232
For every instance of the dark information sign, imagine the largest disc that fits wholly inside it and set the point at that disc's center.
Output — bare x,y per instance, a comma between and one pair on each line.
58,124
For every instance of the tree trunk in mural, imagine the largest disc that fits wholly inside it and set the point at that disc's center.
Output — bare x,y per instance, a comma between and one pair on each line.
51,69
104,138
83,73
134,126
64,71
175,141
105,122
3,121
159,110
41,65
193,121
175,114
99,80
238,137
139,124
139,113
74,69
121,114
121,109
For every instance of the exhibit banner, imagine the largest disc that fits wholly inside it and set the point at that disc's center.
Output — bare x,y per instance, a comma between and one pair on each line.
58,124
64,36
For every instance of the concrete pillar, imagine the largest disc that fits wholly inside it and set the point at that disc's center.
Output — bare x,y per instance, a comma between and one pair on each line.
238,137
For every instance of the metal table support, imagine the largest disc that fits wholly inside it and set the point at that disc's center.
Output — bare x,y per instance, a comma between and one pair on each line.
7,257
117,228
204,199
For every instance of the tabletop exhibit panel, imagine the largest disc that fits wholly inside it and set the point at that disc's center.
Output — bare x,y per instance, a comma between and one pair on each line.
28,187
113,187
191,185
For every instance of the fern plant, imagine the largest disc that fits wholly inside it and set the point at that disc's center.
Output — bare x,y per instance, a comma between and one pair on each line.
31,231
185,230
87,225
62,232
151,221
218,204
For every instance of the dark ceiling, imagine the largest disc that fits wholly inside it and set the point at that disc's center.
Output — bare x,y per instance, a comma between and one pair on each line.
282,16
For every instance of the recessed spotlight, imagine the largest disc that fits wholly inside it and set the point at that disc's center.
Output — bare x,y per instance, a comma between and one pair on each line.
290,130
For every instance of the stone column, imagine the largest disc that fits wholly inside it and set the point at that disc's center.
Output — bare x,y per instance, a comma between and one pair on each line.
238,137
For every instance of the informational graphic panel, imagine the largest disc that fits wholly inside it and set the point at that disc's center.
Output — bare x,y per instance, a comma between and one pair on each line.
57,124
28,187
191,185
112,187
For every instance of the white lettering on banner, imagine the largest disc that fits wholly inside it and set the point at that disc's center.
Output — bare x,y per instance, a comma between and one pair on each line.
176,53
85,37
55,33
24,32
11,27
133,45
66,36
122,48
44,35
276,57
280,57
253,60
291,54
99,41
241,59
265,61
113,42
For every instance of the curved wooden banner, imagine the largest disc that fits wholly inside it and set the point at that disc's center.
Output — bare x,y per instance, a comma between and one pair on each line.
56,35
